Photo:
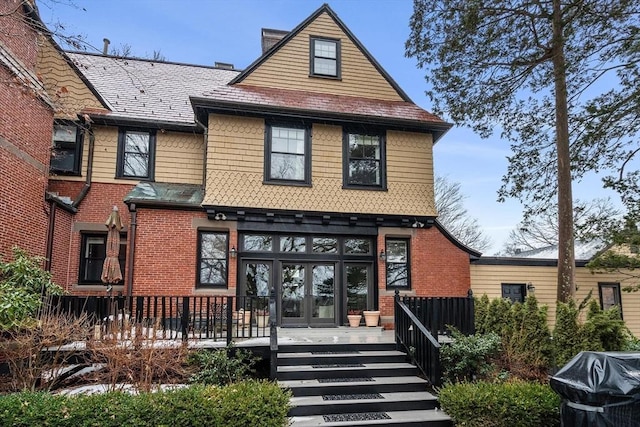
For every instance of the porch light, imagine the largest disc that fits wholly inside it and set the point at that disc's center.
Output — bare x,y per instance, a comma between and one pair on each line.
383,256
530,287
233,252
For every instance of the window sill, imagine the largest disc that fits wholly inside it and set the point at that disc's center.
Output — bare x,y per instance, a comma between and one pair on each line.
288,183
135,178
63,173
97,287
364,187
322,76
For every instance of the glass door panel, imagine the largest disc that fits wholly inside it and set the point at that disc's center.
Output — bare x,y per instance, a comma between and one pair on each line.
357,279
256,282
322,298
293,293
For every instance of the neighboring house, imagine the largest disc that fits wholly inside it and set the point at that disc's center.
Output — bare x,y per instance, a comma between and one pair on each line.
310,172
26,119
535,272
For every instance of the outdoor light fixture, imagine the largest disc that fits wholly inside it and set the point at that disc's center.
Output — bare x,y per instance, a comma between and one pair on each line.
530,287
234,252
383,256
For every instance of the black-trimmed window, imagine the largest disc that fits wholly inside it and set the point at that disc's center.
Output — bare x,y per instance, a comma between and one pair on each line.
398,267
516,292
66,151
93,254
324,57
287,154
610,296
364,160
136,154
213,259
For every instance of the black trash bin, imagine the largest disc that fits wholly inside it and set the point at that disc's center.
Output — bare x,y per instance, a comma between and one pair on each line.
600,389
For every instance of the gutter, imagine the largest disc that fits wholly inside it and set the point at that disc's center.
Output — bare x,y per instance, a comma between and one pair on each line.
128,285
87,183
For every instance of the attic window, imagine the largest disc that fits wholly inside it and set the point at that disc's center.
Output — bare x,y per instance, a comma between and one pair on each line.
324,57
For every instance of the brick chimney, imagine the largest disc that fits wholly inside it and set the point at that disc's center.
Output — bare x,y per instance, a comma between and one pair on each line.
271,37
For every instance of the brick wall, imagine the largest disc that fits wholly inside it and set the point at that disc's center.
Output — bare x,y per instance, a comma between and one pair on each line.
438,268
61,247
92,214
25,139
166,254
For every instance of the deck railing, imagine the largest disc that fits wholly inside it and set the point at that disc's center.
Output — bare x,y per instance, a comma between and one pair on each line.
413,338
420,321
219,318
437,314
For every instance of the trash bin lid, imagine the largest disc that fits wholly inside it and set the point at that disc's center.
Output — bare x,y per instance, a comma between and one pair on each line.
599,378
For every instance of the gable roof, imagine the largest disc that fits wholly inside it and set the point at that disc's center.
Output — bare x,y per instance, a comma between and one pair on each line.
146,91
323,9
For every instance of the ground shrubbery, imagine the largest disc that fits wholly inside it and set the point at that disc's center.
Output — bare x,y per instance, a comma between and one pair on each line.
248,403
497,404
512,354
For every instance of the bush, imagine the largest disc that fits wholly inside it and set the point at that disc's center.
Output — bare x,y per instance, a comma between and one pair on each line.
510,404
526,341
469,357
252,403
36,355
222,367
23,282
601,331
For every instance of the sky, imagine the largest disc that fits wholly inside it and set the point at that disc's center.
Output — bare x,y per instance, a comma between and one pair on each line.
206,31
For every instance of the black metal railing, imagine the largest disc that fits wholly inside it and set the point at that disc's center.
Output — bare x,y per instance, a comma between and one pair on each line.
413,338
171,317
437,314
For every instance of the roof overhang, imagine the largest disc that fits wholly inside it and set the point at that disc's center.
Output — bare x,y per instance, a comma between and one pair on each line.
204,106
110,119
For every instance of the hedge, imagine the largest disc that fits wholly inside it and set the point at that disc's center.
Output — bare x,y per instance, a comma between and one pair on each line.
509,404
248,403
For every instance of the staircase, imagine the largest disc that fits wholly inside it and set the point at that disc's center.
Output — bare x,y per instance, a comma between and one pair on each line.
355,385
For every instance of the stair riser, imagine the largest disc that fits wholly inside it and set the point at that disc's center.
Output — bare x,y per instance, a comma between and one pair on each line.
308,348
361,389
310,360
377,406
352,373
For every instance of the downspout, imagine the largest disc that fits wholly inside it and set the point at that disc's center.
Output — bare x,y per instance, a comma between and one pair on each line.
49,249
87,183
128,286
206,150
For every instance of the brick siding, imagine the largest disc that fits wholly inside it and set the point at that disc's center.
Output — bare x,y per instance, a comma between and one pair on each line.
25,140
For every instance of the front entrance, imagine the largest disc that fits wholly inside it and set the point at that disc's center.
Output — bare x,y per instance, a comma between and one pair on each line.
317,279
308,294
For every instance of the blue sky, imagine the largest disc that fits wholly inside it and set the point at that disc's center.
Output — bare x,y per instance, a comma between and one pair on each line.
205,31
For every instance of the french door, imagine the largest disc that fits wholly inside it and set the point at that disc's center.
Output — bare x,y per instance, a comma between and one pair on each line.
308,293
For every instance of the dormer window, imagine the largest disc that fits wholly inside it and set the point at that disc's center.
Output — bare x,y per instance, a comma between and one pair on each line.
324,57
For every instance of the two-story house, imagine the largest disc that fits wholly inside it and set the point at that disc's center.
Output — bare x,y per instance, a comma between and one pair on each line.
309,172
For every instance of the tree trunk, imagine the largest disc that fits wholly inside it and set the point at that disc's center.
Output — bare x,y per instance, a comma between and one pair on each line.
566,256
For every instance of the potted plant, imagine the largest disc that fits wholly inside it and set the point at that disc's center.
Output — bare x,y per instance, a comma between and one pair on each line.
262,317
354,317
371,317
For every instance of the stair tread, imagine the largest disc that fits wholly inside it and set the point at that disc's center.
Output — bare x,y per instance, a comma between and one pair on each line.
376,381
365,366
342,354
425,416
411,396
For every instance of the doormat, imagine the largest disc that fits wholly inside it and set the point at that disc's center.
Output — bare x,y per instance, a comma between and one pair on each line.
344,380
339,365
362,416
352,396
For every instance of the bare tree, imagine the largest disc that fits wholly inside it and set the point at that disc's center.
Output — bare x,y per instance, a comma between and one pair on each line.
454,216
592,220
